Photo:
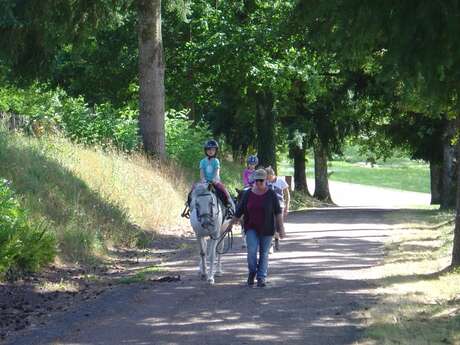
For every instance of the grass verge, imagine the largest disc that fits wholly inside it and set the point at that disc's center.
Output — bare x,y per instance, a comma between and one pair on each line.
141,275
90,198
419,303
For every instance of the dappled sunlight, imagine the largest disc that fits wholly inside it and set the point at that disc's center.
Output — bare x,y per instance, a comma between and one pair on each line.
152,194
317,290
419,299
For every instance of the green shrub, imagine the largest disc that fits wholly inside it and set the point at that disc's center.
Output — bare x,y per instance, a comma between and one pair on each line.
184,139
43,110
184,143
78,244
23,246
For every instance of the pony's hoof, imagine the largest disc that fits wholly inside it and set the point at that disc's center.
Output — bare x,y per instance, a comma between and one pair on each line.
203,276
211,281
219,273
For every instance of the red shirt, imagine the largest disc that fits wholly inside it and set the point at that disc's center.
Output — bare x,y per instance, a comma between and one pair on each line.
256,212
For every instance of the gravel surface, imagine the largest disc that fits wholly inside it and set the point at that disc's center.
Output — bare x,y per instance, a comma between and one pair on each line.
317,294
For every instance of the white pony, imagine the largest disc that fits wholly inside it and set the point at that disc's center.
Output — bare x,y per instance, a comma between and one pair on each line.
207,214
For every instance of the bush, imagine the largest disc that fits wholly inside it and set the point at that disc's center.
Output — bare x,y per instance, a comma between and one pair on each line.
43,110
184,139
23,246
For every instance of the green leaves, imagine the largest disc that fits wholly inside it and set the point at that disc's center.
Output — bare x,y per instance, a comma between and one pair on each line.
43,109
24,247
184,139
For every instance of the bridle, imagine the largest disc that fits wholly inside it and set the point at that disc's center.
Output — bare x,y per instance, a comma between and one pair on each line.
211,205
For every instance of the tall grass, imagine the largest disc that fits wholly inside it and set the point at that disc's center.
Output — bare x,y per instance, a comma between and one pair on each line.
91,198
418,303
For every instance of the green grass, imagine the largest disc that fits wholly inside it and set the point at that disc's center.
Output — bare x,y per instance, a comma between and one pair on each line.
419,303
142,275
89,198
400,174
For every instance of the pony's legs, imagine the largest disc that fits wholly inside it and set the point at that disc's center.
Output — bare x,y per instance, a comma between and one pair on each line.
219,271
212,257
202,247
219,249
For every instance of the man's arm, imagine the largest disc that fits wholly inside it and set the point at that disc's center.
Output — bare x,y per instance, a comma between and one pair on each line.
287,200
280,225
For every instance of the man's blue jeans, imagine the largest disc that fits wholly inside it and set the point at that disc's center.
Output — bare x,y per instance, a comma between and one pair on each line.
258,243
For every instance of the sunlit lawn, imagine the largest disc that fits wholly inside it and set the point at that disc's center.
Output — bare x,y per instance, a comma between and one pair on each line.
399,174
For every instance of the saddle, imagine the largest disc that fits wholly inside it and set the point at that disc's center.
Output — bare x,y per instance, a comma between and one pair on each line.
220,195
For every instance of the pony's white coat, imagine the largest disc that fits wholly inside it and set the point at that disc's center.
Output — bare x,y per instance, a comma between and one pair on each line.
206,216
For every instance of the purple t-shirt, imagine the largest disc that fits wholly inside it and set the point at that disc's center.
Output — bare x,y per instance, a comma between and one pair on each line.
256,212
247,181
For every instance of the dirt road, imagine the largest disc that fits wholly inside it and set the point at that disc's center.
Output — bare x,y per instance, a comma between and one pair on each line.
316,294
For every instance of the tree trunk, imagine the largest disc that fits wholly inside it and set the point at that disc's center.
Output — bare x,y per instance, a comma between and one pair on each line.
436,182
300,177
456,248
448,168
151,77
321,178
265,124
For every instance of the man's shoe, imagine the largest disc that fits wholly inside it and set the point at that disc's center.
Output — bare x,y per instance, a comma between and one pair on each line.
261,282
277,245
251,278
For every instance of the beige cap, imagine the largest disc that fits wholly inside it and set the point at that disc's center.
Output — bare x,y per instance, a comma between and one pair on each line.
259,174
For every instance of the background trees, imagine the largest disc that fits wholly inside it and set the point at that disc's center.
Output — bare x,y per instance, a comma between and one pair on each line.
413,41
266,76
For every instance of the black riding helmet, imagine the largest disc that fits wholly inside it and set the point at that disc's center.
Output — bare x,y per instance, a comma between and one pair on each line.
211,144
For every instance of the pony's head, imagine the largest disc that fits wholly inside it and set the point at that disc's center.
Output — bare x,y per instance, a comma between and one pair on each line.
204,204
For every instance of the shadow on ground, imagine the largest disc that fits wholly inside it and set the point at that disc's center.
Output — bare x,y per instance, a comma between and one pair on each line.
316,295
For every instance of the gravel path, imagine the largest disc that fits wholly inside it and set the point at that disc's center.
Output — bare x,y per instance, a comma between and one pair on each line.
317,293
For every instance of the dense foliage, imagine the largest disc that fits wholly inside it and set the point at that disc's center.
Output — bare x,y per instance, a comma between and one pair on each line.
24,247
185,139
38,109
265,77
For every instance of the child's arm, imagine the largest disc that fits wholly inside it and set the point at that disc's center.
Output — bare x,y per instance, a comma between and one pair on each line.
217,171
217,177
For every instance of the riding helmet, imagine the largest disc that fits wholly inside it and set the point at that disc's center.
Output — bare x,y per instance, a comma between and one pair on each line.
211,144
252,160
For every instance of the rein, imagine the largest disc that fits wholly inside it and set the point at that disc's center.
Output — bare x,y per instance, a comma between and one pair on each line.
211,205
227,233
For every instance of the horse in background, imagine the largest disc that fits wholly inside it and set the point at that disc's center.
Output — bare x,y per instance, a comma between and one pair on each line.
208,220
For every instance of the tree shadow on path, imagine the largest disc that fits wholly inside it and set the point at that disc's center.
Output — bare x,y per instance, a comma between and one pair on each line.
317,294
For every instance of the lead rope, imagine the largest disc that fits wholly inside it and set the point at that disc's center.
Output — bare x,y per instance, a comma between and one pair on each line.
227,233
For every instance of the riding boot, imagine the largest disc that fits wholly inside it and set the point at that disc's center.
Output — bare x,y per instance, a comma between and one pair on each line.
189,199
